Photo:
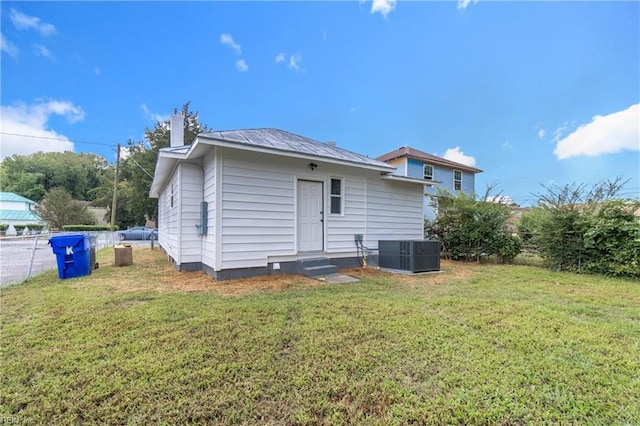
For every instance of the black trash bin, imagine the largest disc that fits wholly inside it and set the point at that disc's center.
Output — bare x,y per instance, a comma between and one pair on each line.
92,254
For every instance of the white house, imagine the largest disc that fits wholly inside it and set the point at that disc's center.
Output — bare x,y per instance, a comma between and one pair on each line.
249,202
17,210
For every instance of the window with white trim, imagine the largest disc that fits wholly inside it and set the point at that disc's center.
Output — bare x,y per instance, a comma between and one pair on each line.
336,196
457,180
427,170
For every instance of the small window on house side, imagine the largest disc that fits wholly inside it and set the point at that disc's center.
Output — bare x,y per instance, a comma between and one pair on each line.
428,171
457,180
171,195
336,196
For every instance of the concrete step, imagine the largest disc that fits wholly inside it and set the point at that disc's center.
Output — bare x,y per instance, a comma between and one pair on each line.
313,271
318,261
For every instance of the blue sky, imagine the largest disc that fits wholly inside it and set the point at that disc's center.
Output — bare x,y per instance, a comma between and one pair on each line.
533,93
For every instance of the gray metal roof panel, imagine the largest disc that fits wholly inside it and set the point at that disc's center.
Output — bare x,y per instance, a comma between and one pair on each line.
281,140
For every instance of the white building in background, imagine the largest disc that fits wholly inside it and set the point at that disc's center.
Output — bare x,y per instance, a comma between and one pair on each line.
18,210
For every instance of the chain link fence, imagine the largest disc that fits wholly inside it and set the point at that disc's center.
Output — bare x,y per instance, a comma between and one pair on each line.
26,256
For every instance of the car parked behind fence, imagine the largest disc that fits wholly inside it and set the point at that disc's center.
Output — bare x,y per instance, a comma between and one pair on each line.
138,233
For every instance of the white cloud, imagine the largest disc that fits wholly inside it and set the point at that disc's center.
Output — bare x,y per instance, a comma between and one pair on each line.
455,154
43,51
19,123
607,134
7,47
559,132
227,40
294,62
383,6
462,4
153,116
242,66
542,133
25,22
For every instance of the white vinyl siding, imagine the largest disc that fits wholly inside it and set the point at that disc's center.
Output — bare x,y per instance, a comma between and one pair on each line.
258,212
191,178
168,221
394,211
209,195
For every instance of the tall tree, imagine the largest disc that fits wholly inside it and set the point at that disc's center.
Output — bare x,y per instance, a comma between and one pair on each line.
33,175
138,167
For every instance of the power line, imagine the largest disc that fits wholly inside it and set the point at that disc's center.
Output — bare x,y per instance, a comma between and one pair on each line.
77,141
58,139
137,164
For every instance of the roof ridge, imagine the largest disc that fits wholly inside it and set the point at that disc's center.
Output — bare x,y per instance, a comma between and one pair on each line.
408,151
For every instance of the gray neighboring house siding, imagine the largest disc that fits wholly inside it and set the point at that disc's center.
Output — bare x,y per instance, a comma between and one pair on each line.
410,162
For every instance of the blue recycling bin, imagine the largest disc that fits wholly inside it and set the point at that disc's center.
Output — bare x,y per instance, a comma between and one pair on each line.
73,254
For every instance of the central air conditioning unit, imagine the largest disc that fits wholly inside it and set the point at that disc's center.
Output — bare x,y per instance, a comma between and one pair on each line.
412,255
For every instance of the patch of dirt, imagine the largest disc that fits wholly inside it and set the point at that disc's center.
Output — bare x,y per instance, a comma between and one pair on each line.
152,271
448,270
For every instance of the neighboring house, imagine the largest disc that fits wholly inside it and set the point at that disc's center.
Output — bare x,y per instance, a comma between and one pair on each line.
100,213
18,210
446,174
250,202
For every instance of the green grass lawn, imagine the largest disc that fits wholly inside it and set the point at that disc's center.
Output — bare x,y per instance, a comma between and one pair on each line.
480,344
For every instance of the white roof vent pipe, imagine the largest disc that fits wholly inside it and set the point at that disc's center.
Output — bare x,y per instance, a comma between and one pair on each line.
177,130
331,143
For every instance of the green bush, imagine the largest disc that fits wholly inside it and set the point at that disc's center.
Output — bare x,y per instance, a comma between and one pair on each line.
507,247
588,231
612,240
470,229
89,228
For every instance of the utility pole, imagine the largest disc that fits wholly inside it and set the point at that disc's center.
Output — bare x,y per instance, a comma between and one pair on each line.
114,202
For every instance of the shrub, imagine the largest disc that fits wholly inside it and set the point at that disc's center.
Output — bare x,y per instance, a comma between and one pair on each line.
612,240
87,228
582,230
469,228
507,247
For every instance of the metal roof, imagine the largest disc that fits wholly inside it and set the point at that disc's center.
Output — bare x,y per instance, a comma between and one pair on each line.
19,215
407,151
280,140
10,197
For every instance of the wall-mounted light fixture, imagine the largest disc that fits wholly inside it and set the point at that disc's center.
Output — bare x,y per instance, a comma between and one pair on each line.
312,165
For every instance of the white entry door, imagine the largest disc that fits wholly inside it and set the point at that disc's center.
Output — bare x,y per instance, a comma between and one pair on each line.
310,216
